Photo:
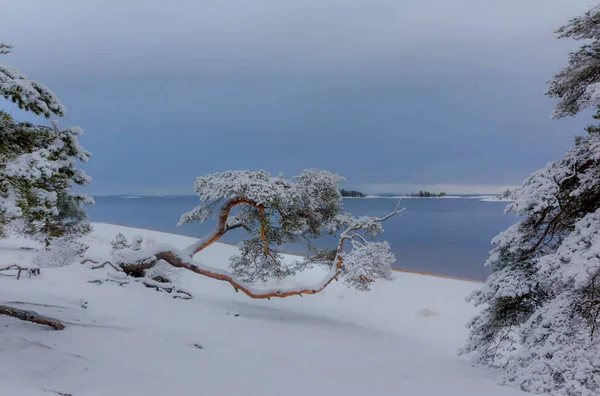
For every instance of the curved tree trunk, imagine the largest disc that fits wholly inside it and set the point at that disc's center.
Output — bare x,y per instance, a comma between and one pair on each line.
142,260
172,257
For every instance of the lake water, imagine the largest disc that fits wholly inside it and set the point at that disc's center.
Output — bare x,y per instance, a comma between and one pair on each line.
445,236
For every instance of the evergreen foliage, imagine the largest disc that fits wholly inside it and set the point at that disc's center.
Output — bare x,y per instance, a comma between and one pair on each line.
577,86
29,95
276,211
427,194
38,166
119,243
541,304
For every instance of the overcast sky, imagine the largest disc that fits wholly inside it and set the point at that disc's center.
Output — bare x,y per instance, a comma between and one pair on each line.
396,95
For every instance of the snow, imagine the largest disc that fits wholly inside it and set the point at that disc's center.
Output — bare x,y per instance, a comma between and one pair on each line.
576,86
495,198
401,337
482,198
540,304
29,95
412,197
39,165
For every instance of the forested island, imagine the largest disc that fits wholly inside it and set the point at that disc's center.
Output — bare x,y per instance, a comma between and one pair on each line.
352,193
427,194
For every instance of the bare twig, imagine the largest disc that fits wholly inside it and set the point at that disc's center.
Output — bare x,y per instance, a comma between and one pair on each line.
107,263
19,269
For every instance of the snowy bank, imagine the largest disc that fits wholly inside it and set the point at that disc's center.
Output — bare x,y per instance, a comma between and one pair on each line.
496,199
401,337
482,198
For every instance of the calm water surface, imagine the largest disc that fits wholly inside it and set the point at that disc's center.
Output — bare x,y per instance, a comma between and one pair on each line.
445,236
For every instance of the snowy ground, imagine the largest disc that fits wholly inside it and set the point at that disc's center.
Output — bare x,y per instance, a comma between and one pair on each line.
399,339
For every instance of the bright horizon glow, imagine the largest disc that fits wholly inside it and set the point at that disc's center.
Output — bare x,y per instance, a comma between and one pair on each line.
375,189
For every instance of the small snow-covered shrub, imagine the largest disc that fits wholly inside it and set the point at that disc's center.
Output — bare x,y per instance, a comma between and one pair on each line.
367,261
119,243
59,253
136,242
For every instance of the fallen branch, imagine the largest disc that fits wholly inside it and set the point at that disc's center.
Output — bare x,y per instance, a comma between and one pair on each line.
31,316
167,288
99,281
108,263
58,393
15,267
152,284
88,260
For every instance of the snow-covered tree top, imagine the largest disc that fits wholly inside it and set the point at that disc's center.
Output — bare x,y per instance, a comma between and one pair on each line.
259,187
28,94
264,189
276,211
578,85
312,195
583,27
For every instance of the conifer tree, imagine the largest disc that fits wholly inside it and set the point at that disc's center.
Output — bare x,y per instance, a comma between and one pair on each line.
38,167
273,211
542,301
38,164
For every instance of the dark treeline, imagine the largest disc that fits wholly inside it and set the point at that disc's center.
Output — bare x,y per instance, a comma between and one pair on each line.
352,193
427,194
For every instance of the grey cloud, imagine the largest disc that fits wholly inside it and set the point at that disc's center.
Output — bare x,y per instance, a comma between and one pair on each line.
396,93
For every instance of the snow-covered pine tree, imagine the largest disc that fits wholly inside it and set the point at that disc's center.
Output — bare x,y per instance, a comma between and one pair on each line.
38,165
542,301
273,211
577,86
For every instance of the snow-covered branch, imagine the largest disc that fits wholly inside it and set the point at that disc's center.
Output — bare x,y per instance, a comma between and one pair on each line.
274,211
28,94
31,270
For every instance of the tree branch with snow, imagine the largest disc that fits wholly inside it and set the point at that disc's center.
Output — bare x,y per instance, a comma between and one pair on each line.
29,95
275,211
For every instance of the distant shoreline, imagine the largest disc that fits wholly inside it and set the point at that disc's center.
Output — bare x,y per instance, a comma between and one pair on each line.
481,198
